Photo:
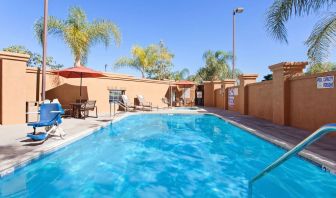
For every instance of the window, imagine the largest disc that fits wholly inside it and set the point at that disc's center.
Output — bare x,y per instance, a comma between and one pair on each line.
115,95
186,93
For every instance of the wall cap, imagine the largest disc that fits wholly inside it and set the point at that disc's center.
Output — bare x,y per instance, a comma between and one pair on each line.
248,76
228,81
14,56
288,65
212,81
111,76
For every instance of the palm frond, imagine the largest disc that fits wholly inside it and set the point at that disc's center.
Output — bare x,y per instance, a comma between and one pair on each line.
104,31
321,39
55,27
281,10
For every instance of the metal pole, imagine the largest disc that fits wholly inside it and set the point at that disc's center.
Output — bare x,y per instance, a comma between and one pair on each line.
44,61
171,96
233,44
80,89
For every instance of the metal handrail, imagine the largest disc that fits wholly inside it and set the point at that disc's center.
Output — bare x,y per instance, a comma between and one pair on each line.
303,144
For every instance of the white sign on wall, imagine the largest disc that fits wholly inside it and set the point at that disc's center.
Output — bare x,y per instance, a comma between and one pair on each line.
325,82
231,95
199,94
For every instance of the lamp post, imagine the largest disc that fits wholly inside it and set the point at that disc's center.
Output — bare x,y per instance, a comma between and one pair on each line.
235,11
44,61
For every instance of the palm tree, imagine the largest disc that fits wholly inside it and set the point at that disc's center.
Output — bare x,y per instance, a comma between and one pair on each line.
80,34
154,60
180,75
142,59
216,66
323,34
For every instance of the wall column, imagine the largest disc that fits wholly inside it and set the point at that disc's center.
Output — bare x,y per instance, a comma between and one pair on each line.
226,84
245,79
281,98
12,92
209,92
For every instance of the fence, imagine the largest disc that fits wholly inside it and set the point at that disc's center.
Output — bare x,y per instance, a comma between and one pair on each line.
291,98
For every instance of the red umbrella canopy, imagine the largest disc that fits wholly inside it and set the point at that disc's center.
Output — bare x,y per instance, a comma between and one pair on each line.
79,72
184,82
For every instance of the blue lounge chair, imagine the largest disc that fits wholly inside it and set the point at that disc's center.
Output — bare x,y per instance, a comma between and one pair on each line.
50,117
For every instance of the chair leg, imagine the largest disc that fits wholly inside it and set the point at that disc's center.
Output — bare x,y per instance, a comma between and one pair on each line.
96,112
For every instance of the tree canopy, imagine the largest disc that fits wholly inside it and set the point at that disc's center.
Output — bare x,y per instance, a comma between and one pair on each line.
216,66
80,34
35,59
324,33
153,61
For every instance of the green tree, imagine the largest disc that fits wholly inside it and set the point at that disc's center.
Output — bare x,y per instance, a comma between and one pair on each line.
18,49
216,66
153,61
268,77
323,34
142,59
321,67
180,75
35,59
162,68
80,34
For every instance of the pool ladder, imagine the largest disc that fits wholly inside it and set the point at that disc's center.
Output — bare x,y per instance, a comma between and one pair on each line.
306,142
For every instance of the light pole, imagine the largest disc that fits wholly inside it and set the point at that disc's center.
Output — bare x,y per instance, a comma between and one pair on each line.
235,11
44,61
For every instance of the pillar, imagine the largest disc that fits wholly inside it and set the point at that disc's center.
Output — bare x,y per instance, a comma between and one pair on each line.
209,92
245,79
281,98
12,92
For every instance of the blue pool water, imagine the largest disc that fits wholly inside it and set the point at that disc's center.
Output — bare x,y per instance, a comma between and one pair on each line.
157,155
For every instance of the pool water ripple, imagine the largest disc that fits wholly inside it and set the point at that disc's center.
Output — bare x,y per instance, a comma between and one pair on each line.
158,155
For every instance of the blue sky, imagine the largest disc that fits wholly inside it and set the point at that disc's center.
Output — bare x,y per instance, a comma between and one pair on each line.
188,28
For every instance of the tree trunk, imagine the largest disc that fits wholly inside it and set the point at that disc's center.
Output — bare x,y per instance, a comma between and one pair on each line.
77,62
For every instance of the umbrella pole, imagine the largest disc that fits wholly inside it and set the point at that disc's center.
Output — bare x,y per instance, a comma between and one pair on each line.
80,89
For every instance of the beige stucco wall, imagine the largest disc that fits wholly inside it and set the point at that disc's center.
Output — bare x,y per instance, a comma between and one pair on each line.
67,90
219,98
260,101
310,108
12,75
209,92
19,84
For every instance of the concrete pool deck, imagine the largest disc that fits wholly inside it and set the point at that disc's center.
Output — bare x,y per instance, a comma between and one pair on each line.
16,150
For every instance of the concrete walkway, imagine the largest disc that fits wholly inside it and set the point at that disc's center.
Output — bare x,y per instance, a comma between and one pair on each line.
17,150
323,151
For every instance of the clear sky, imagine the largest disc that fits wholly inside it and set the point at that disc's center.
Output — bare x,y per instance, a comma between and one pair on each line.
188,28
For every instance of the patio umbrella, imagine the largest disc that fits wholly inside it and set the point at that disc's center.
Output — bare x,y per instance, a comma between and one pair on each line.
79,72
184,83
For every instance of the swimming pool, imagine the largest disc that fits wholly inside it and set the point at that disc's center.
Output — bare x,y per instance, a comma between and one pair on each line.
161,155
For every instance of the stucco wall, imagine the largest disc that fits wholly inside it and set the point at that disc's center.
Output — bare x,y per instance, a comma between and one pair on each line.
219,99
260,101
67,90
209,95
310,107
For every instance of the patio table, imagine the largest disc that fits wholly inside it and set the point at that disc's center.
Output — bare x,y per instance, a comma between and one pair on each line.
76,106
